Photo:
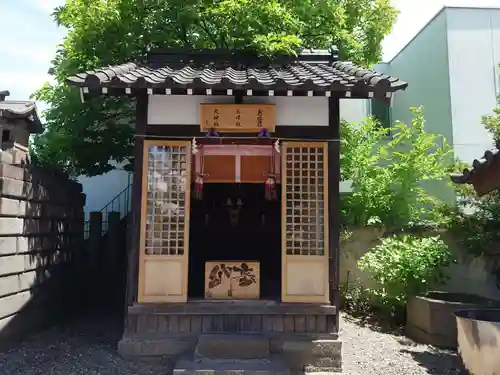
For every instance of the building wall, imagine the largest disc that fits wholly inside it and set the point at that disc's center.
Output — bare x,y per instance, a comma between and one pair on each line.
290,111
428,78
474,52
100,190
469,274
424,64
41,248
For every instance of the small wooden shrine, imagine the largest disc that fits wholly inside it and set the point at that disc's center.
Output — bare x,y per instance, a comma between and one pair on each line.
484,175
236,200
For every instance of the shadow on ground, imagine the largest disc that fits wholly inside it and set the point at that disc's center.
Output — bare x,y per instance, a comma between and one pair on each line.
84,345
433,359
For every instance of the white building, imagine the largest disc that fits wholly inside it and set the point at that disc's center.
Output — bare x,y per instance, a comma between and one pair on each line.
456,54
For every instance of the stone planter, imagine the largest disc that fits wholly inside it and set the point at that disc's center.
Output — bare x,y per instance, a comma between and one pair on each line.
478,333
430,319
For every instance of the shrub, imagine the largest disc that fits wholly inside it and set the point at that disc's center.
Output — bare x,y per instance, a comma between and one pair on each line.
387,173
354,297
404,266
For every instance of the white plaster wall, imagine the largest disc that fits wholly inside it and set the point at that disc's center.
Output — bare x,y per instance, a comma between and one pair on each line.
100,190
290,111
354,110
474,52
185,109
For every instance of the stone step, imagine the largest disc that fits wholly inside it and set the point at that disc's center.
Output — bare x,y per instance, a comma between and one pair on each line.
231,367
227,346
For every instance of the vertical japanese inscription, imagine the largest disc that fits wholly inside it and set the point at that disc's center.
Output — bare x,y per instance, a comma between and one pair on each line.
238,118
259,118
216,118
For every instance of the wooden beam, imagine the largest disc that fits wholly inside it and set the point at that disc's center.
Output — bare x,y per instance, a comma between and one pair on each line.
134,240
298,132
334,204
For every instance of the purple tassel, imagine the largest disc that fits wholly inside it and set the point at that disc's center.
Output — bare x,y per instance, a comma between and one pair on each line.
212,134
264,134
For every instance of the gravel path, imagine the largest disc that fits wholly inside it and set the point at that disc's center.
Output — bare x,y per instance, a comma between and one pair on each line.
83,347
88,347
370,352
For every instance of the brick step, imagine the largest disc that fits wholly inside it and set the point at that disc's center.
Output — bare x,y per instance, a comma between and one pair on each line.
230,367
228,346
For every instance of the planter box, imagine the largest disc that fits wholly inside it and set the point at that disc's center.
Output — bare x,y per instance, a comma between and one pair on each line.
478,338
430,319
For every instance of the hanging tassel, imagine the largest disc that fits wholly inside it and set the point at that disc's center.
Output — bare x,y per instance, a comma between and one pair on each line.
270,185
270,194
198,182
263,134
198,187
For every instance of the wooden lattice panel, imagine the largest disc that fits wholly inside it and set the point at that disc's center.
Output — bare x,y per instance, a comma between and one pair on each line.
304,185
166,204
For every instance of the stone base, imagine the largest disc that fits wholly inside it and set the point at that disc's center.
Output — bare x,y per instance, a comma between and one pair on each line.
313,355
229,367
300,354
303,337
169,346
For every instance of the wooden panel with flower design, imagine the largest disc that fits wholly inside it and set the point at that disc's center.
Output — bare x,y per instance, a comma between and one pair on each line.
232,280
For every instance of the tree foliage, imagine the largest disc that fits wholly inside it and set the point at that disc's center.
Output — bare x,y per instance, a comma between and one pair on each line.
82,138
387,172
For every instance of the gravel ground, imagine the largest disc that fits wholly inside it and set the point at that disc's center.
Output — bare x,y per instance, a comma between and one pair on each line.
88,347
368,351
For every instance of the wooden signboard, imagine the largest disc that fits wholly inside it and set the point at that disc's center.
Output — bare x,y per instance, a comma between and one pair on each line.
232,280
241,118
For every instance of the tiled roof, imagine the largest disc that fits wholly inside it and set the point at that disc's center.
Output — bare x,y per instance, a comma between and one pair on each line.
17,107
308,72
26,110
478,165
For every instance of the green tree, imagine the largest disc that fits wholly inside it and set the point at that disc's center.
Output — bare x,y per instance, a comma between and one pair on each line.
387,173
82,138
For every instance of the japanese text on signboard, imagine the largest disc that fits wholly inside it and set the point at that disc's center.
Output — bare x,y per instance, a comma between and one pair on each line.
238,117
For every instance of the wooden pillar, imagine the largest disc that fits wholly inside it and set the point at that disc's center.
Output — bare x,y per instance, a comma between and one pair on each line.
135,213
334,204
94,252
95,238
112,246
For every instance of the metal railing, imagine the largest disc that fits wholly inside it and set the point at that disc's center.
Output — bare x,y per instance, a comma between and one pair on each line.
121,203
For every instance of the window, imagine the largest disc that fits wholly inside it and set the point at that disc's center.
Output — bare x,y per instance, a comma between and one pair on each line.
382,113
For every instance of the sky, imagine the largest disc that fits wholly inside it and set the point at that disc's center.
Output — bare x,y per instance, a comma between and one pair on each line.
30,37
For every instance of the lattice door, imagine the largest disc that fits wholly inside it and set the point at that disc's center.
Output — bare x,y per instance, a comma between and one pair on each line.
304,222
163,269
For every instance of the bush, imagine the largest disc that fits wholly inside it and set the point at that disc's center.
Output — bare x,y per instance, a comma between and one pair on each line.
387,173
354,297
404,266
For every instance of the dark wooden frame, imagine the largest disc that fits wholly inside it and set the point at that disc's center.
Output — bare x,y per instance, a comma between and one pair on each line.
330,133
334,203
134,221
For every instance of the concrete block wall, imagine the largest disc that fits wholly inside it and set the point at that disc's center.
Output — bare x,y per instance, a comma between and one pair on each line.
41,247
